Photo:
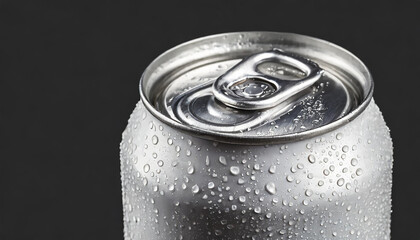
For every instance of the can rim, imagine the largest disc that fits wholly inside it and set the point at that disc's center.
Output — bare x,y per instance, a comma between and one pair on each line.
253,140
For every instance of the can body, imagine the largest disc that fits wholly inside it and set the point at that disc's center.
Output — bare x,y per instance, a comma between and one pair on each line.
336,185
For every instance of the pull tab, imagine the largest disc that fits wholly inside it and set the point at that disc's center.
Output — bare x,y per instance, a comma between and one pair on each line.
247,87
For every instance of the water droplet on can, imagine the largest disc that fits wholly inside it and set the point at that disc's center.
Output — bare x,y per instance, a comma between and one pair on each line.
270,187
190,170
146,168
311,158
340,182
234,170
195,189
222,160
155,139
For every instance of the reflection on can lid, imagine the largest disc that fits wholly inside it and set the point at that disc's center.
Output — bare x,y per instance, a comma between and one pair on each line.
256,85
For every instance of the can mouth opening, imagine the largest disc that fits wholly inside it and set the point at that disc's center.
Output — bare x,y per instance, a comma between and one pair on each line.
212,49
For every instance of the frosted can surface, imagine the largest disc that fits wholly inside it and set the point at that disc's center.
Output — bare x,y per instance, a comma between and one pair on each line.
256,135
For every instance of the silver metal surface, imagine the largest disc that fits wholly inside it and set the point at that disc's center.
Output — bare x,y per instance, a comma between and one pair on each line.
247,86
344,89
321,104
192,169
335,186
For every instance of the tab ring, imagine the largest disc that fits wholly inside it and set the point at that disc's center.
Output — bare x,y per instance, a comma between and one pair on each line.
263,91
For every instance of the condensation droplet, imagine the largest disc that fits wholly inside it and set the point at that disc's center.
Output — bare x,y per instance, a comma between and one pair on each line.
234,170
270,187
146,168
256,167
340,182
190,170
311,158
155,139
195,188
272,169
222,160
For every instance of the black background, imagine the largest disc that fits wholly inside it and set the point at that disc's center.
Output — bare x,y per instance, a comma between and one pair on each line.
69,77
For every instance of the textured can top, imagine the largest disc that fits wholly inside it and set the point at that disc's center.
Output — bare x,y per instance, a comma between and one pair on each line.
256,87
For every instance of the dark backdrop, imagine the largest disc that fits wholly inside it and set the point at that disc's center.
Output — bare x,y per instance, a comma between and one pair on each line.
69,77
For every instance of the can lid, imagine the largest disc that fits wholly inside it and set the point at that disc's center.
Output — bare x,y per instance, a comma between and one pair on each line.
269,87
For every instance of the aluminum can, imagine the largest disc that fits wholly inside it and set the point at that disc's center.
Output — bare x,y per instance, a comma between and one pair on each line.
256,135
